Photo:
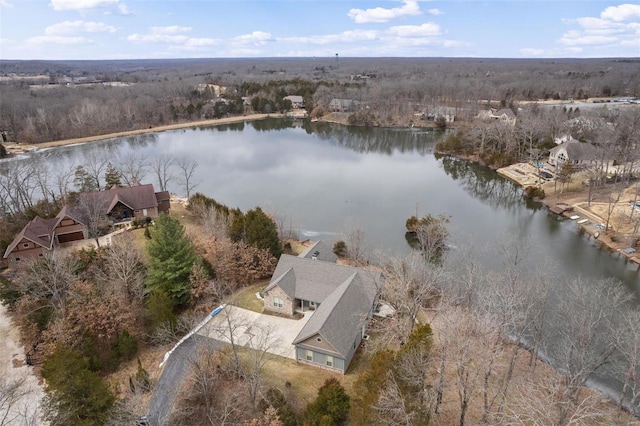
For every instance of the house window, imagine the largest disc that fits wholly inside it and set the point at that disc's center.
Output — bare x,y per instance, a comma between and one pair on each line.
277,302
25,245
310,356
329,361
40,255
144,212
318,339
17,259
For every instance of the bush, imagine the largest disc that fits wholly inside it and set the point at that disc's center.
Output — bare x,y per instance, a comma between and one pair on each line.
126,346
340,249
534,193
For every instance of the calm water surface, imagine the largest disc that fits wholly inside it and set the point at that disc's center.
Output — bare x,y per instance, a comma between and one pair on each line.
327,178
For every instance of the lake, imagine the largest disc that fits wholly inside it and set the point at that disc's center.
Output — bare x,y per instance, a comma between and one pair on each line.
326,179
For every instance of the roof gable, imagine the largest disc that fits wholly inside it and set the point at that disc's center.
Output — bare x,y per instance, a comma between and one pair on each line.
340,317
34,231
315,279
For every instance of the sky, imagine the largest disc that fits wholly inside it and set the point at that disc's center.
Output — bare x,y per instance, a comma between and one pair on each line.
145,29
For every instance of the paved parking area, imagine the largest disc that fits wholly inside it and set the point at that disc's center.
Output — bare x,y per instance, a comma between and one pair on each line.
255,330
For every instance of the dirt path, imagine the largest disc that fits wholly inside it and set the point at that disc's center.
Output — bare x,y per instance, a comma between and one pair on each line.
213,122
26,406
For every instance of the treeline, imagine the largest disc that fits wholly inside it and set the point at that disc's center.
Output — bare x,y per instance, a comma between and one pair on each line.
159,93
612,131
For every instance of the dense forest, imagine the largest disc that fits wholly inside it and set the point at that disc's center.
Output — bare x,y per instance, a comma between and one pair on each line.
52,100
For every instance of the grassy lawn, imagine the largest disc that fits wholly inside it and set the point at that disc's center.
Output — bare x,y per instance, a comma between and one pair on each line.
247,299
304,380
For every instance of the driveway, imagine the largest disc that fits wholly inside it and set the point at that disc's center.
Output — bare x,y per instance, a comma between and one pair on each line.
256,330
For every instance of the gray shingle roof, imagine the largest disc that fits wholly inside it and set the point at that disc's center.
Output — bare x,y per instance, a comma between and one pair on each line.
339,318
314,279
577,151
345,294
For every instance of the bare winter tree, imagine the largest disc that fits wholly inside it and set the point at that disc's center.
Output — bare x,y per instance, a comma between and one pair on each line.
411,286
355,239
48,280
161,166
95,164
17,405
124,269
133,168
629,364
536,402
187,175
92,207
587,337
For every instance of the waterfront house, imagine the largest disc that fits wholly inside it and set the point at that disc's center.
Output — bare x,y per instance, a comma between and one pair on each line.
110,207
573,152
296,101
340,299
343,105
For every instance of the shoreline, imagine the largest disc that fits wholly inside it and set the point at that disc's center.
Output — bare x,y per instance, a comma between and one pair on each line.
576,198
157,129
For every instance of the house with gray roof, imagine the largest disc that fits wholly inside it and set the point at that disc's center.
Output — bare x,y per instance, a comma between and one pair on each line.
296,101
341,300
573,152
343,105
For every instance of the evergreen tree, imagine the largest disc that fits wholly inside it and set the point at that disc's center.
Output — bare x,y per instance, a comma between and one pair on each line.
76,395
331,406
112,176
83,180
171,257
262,232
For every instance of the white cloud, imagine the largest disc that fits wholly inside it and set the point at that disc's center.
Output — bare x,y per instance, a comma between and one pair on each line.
435,12
256,38
157,38
380,14
606,30
575,38
344,37
52,39
202,42
624,12
5,4
74,27
174,36
80,4
172,29
427,29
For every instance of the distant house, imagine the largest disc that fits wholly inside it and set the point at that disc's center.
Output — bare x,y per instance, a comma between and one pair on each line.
343,105
447,113
564,138
573,152
110,207
296,101
504,115
342,299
